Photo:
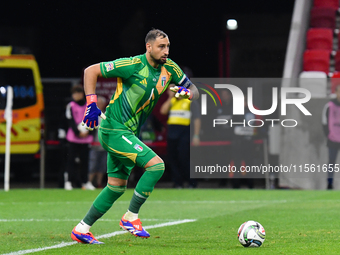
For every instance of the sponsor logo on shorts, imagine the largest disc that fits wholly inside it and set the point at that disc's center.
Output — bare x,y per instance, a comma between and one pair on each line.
109,67
138,147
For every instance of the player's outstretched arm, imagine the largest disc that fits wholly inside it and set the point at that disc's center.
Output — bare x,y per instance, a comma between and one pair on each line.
194,92
90,119
91,75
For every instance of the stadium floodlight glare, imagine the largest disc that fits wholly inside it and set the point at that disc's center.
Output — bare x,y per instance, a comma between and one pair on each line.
2,90
231,24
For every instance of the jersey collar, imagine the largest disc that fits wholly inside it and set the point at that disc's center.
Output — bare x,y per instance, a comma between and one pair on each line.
151,67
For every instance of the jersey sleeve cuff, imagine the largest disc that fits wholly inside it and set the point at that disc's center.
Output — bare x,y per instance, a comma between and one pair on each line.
102,70
185,82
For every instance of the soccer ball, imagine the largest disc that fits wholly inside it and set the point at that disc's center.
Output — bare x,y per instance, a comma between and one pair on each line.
251,234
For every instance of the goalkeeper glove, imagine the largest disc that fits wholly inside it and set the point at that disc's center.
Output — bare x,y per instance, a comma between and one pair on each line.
90,119
181,92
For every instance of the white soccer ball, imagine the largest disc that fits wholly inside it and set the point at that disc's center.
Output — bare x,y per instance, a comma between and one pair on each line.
251,234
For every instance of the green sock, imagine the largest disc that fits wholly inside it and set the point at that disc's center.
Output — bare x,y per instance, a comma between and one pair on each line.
145,186
103,203
92,215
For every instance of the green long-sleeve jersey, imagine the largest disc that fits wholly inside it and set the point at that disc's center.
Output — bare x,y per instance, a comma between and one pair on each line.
139,86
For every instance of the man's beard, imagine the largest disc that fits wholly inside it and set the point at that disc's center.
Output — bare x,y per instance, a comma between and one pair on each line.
158,61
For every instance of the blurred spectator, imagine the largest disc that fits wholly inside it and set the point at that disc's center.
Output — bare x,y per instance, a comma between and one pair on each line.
225,111
331,127
181,113
224,132
243,148
78,139
98,156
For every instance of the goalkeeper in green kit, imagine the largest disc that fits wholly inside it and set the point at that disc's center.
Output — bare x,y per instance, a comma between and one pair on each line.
141,80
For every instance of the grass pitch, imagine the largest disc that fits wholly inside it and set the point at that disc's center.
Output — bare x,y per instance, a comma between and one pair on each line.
296,222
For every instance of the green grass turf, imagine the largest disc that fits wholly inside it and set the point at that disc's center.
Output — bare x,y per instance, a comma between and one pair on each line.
296,222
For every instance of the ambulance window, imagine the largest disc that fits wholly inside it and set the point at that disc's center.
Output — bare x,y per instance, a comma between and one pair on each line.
22,82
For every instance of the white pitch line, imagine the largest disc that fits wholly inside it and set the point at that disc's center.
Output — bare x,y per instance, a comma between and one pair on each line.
148,227
61,245
167,202
74,220
222,202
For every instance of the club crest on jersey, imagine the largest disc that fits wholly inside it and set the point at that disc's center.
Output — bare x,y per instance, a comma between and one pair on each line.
109,67
138,147
163,81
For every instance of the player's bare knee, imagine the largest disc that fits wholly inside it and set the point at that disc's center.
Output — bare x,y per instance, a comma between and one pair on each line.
116,181
155,171
155,160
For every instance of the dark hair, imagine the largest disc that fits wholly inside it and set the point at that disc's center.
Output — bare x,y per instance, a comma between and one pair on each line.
77,88
153,34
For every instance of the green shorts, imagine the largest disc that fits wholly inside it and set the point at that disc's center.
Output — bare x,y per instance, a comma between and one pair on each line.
125,151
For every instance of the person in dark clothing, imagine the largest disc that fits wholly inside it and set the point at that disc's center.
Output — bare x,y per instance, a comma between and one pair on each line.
243,148
331,127
224,132
78,139
181,112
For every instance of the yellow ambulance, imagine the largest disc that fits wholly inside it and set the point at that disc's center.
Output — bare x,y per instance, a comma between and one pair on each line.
21,72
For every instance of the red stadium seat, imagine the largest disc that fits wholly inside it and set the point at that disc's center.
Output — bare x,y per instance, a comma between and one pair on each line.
338,41
334,4
320,38
322,17
316,60
337,61
335,81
